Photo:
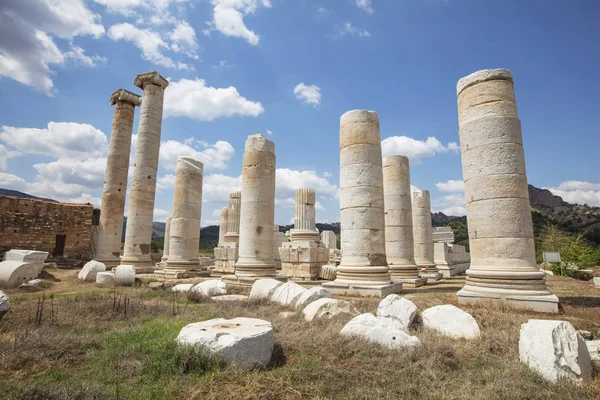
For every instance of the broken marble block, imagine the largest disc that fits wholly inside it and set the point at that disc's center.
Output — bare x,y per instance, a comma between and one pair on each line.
555,350
15,273
183,287
4,304
333,309
245,342
450,321
313,294
211,288
399,309
264,288
37,258
105,278
125,275
287,293
90,269
380,330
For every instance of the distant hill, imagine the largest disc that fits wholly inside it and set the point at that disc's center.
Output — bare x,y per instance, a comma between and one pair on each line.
16,193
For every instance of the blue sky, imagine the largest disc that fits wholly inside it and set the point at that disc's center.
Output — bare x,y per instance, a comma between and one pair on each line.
289,69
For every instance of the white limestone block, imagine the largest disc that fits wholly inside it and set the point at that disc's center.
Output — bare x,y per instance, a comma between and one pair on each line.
245,342
593,347
15,273
264,288
125,275
287,293
4,304
90,269
333,309
230,297
555,350
451,321
597,281
106,278
328,272
380,330
312,294
183,287
400,310
211,287
37,258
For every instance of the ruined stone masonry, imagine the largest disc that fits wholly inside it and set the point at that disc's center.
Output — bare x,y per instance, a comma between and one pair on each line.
503,266
450,259
226,255
423,235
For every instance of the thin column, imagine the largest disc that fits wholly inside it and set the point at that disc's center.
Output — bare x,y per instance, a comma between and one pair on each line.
223,225
329,240
257,213
167,238
305,227
363,268
423,235
138,236
184,245
399,243
503,264
233,217
115,179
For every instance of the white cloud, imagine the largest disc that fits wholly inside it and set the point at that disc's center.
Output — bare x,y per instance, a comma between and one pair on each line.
453,204
322,12
288,180
228,18
213,156
451,186
86,198
59,139
148,41
161,215
223,64
327,175
414,149
578,192
78,54
183,37
5,155
27,49
348,29
365,5
269,132
130,8
195,100
216,187
88,173
10,181
310,94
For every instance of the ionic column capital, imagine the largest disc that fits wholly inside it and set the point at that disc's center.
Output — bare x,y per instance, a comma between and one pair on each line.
153,78
126,96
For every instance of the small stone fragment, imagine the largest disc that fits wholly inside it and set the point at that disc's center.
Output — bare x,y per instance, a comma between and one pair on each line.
264,288
89,271
125,275
333,309
183,287
156,285
211,288
229,298
287,293
399,309
312,294
586,335
593,347
105,278
379,330
451,321
4,304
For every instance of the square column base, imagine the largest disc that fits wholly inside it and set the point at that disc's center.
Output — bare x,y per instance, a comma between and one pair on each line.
411,282
182,274
431,276
543,304
363,290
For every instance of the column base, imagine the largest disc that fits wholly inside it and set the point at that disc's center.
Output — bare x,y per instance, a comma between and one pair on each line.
141,265
357,289
410,282
182,273
434,276
543,304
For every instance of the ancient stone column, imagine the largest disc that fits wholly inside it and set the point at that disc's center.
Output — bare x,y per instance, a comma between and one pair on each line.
184,243
329,240
363,268
305,227
257,212
423,235
223,225
108,250
138,236
503,264
233,217
399,243
165,256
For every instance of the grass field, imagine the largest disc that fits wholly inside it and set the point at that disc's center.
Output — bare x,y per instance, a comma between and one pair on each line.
98,343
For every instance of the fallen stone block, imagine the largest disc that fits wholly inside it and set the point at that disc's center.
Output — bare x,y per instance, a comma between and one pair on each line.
125,275
450,321
332,309
593,347
328,272
230,297
4,304
555,350
105,278
399,309
211,288
287,293
183,287
89,271
156,285
313,294
379,330
15,273
37,258
245,342
264,288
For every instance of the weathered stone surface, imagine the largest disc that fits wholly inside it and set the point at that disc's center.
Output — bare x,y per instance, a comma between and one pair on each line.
287,293
183,287
264,288
90,269
398,309
105,278
450,321
4,304
379,330
312,294
125,275
156,285
327,308
245,342
37,258
230,297
15,273
210,288
596,281
586,335
555,350
328,272
593,347
422,234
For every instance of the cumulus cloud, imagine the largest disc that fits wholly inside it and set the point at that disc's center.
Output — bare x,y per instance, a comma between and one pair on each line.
27,48
453,204
130,8
216,187
415,149
578,192
13,182
78,55
228,18
195,100
183,39
365,5
288,180
347,29
451,186
309,94
88,173
213,156
5,155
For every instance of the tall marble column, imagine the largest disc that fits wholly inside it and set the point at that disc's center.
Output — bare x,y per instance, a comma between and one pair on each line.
363,268
233,217
257,212
165,256
184,245
503,265
115,179
223,225
138,236
399,243
423,235
305,227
